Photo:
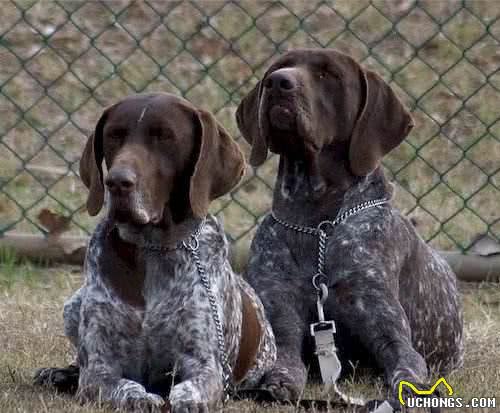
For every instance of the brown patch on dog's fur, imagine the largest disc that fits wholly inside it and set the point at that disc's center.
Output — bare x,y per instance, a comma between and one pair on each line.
123,270
251,332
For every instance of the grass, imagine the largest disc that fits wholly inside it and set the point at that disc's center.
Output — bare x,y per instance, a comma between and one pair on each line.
31,299
61,66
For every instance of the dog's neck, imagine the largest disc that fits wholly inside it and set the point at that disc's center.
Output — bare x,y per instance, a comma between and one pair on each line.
165,236
309,191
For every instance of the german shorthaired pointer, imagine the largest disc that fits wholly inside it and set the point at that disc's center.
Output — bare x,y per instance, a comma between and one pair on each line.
160,307
394,300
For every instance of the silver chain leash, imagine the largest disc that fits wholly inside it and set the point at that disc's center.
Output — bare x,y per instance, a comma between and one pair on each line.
192,245
323,331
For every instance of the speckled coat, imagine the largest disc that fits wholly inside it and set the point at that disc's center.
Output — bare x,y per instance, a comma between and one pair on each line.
122,350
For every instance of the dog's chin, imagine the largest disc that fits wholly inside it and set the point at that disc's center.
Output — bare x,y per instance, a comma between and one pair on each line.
135,217
287,138
282,118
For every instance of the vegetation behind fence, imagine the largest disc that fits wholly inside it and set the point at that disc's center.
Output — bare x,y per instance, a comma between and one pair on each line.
62,62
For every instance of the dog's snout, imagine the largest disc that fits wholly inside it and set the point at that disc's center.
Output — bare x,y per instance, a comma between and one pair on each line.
282,80
121,180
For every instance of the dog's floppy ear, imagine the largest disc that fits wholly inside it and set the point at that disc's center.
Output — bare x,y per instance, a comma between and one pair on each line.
247,118
382,125
91,167
219,167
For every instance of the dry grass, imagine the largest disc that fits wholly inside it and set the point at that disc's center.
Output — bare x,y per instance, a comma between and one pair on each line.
62,62
31,336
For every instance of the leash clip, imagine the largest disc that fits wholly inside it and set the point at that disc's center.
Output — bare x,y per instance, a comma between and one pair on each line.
322,297
323,332
324,225
326,351
192,244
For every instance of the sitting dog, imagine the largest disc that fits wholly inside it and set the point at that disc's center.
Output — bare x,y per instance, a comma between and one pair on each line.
394,300
160,307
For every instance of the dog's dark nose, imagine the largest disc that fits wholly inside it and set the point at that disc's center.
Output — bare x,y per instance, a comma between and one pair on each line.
121,180
281,80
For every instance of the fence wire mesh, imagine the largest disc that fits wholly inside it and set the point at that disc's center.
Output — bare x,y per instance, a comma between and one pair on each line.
62,62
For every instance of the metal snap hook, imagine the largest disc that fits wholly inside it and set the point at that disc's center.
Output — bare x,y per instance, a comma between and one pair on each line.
322,297
191,245
323,294
323,226
315,281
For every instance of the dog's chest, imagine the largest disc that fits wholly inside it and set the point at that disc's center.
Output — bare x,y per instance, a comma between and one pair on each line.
149,339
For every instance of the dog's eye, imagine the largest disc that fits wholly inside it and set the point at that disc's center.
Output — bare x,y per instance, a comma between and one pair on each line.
323,71
116,135
328,74
159,134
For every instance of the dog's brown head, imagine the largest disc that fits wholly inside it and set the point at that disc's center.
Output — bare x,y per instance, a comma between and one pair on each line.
311,98
163,156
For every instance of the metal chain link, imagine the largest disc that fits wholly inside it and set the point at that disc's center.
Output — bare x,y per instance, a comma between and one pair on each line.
193,238
320,231
322,240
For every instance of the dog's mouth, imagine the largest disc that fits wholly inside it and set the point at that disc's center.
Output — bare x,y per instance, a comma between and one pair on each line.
129,216
283,125
131,209
282,117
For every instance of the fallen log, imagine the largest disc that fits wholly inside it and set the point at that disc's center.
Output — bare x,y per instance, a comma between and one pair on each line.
472,267
71,250
60,249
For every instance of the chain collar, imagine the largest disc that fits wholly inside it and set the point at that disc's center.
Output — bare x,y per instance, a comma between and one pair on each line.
192,245
320,231
192,241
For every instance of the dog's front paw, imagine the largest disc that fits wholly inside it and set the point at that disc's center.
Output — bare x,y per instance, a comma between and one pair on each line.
132,396
282,385
145,402
382,406
407,393
62,379
189,407
185,397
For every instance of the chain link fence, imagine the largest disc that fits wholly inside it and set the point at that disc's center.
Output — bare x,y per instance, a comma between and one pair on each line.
62,62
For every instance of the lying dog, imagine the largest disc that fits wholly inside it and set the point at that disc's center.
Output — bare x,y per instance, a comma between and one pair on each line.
393,299
160,306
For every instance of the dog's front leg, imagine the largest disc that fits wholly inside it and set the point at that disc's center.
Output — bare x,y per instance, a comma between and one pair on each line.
374,316
71,316
65,379
288,377
201,388
121,393
103,352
